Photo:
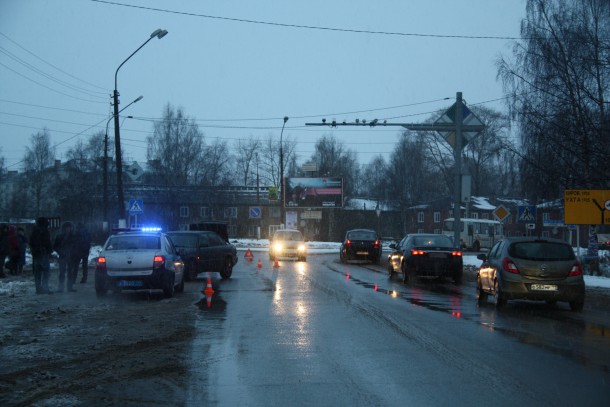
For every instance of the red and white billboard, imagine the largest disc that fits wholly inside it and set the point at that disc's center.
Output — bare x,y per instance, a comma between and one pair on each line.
314,192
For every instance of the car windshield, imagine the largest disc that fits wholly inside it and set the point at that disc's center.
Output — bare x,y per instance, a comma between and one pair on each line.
183,240
362,235
133,243
435,241
288,235
546,251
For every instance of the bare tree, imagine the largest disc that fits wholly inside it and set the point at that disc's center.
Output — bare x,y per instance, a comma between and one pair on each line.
218,161
335,160
559,83
39,163
246,151
177,148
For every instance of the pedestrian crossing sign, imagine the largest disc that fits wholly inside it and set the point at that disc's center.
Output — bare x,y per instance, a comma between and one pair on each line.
136,207
526,214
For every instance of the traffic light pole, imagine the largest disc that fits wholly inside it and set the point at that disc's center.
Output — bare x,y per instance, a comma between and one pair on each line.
458,127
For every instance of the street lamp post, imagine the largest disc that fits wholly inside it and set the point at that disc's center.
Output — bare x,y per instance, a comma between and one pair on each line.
159,33
106,160
282,199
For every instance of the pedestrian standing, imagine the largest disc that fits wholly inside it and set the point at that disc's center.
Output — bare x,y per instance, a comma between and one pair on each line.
3,248
41,248
84,246
13,249
66,246
22,242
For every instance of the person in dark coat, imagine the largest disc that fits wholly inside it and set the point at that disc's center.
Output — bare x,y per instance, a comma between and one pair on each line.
3,248
66,245
84,246
13,250
22,246
41,248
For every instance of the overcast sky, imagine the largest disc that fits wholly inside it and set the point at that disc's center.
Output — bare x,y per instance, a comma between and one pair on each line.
238,67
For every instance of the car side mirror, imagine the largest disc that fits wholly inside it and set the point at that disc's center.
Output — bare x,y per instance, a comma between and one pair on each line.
392,246
482,257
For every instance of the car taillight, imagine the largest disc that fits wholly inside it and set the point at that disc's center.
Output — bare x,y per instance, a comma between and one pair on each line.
417,252
459,254
101,263
576,270
348,242
509,266
159,261
376,244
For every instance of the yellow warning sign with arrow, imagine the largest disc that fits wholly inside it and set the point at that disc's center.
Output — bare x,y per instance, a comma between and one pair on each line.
586,207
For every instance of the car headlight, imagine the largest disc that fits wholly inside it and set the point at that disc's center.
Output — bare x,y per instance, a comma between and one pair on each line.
301,248
278,247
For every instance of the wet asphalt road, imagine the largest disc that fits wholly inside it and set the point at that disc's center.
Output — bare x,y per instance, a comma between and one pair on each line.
323,333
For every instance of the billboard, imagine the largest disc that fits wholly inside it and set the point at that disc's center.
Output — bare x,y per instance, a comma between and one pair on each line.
314,192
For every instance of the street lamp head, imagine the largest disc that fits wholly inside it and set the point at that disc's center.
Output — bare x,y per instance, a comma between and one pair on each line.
138,99
285,119
159,33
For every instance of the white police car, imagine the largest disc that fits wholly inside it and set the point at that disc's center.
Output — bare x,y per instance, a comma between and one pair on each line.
139,260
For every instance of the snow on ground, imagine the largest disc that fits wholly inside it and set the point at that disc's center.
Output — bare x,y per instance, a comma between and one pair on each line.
11,287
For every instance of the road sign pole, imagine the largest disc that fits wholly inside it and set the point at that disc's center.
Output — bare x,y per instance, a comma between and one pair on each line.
459,117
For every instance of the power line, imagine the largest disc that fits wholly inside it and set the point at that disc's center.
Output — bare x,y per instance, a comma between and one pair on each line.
312,27
51,65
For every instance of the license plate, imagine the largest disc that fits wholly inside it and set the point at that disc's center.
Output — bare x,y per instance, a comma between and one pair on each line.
437,255
129,283
362,253
543,287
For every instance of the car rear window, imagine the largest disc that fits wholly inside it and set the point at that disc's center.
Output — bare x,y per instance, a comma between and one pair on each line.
134,243
433,241
546,251
181,240
361,236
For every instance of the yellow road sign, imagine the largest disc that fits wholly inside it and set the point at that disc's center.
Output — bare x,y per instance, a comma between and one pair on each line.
586,207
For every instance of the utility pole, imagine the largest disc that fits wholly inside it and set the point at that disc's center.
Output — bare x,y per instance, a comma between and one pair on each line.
455,129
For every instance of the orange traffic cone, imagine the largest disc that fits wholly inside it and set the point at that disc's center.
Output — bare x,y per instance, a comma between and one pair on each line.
208,292
259,265
276,264
249,256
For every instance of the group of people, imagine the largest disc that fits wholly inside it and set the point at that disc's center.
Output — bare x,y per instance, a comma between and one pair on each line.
72,245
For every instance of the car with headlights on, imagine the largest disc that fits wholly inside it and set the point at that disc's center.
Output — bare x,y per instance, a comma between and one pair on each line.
531,268
138,260
360,244
288,243
204,251
426,255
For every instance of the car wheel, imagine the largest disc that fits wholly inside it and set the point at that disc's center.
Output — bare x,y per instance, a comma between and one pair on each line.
376,259
101,288
577,306
180,287
227,269
499,299
481,295
407,274
391,271
457,277
342,257
168,287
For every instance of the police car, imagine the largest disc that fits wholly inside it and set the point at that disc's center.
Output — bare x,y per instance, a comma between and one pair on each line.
139,259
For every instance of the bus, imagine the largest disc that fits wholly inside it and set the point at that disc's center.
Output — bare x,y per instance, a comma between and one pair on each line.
476,234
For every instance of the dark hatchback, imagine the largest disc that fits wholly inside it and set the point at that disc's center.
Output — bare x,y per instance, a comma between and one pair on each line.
360,244
426,255
204,251
531,268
